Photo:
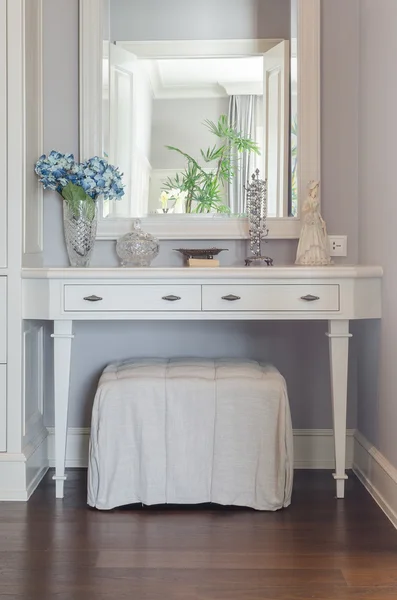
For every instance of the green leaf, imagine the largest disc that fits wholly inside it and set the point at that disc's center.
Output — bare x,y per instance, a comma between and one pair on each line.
212,154
221,129
74,195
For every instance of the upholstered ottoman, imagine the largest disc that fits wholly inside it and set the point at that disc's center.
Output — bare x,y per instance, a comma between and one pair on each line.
191,431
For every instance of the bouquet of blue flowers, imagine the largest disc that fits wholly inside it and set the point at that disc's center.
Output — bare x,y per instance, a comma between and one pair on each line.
80,182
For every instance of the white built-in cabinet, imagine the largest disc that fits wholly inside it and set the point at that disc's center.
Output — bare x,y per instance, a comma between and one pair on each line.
23,443
3,224
23,455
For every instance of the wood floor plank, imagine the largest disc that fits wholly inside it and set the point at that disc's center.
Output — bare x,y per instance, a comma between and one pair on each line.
245,560
113,591
372,576
243,580
231,576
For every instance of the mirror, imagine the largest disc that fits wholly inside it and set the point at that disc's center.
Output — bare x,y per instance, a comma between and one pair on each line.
193,99
188,130
190,122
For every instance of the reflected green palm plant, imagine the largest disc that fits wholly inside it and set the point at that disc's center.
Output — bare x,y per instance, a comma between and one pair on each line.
204,188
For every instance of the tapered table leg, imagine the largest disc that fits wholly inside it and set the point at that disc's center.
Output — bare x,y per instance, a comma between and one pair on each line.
338,334
62,354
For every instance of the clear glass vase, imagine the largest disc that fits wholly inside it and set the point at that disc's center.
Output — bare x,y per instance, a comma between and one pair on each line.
80,227
137,248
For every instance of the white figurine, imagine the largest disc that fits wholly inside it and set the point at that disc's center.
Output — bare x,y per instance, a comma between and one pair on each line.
313,248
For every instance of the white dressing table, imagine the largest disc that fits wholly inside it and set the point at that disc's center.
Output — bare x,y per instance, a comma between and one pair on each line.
334,294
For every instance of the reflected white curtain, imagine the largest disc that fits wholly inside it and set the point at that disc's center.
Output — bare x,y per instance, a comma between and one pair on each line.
242,116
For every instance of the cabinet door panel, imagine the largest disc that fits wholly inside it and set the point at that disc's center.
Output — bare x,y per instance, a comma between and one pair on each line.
3,319
3,134
3,408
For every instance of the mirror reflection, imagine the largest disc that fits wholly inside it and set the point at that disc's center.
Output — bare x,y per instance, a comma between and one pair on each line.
189,121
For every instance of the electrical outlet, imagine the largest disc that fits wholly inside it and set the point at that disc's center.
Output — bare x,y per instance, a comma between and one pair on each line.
338,245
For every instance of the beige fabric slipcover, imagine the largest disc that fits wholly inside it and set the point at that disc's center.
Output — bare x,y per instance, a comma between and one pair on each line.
191,431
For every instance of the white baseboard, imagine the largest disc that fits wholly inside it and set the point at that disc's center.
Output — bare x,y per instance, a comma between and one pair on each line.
36,467
36,455
13,477
76,447
377,474
20,474
313,448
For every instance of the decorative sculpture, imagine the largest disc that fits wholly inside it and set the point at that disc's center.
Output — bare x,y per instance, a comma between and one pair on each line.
313,247
257,213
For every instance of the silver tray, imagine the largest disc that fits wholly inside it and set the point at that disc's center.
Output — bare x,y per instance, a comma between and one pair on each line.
206,253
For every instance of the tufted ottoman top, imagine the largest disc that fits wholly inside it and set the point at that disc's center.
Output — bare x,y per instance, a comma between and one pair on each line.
209,369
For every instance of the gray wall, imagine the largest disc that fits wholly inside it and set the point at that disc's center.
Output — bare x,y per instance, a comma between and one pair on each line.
204,20
377,415
339,172
299,349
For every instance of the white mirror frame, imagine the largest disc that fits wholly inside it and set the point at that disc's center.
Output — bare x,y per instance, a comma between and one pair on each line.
309,142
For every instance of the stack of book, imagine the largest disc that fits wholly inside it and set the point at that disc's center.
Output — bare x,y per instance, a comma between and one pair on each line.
202,262
201,257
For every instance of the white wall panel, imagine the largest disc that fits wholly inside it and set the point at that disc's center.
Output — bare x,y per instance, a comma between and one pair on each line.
3,133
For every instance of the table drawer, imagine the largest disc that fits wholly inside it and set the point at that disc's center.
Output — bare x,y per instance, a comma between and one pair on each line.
274,298
126,298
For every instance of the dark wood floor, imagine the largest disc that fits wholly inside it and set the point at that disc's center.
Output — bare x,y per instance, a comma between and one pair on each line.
319,548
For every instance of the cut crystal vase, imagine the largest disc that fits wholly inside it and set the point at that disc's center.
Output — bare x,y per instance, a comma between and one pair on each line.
80,226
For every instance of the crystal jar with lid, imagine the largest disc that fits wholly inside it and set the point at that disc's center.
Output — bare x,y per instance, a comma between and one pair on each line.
137,248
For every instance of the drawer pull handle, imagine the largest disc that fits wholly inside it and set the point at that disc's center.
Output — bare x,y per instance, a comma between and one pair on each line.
171,298
310,298
231,298
93,298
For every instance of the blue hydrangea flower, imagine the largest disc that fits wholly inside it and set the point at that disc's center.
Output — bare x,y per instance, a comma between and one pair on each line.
95,176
